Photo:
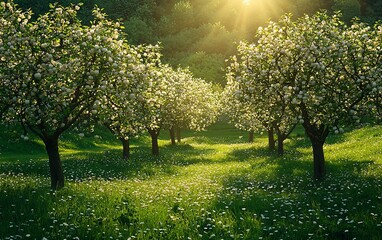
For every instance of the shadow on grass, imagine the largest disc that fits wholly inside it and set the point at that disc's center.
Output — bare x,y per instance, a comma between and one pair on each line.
88,158
28,209
274,198
221,133
98,164
109,165
186,154
279,199
179,147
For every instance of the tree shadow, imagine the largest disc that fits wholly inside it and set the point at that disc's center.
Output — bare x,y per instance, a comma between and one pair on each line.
278,197
186,154
220,133
100,164
274,198
181,147
26,206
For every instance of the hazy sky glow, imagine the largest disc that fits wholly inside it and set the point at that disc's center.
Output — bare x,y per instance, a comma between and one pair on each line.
246,2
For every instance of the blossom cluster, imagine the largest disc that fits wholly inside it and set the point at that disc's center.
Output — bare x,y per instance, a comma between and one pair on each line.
56,73
53,70
315,70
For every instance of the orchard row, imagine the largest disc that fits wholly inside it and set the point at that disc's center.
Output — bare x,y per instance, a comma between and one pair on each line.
56,73
316,71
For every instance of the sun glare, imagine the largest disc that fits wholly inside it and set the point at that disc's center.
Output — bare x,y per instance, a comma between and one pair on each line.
246,2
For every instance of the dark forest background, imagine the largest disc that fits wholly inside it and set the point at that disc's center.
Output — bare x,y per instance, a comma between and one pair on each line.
201,34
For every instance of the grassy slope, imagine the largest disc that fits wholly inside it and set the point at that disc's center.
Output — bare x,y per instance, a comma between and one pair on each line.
212,186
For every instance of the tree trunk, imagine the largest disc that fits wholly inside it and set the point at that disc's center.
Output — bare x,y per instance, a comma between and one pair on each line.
126,148
55,166
318,160
271,140
178,136
281,136
154,142
280,144
251,136
317,136
172,136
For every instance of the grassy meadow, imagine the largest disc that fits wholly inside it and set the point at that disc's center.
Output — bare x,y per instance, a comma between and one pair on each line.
214,185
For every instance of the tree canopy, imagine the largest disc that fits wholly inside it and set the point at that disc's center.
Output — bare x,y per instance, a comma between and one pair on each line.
57,73
189,28
316,70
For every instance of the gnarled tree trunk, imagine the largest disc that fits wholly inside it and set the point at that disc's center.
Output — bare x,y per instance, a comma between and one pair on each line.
55,165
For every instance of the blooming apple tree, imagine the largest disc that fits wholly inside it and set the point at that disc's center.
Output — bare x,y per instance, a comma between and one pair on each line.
121,110
53,71
335,77
316,71
204,104
191,103
167,98
240,112
366,53
156,97
13,23
257,75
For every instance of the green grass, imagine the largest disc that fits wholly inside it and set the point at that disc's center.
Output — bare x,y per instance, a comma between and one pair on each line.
213,185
